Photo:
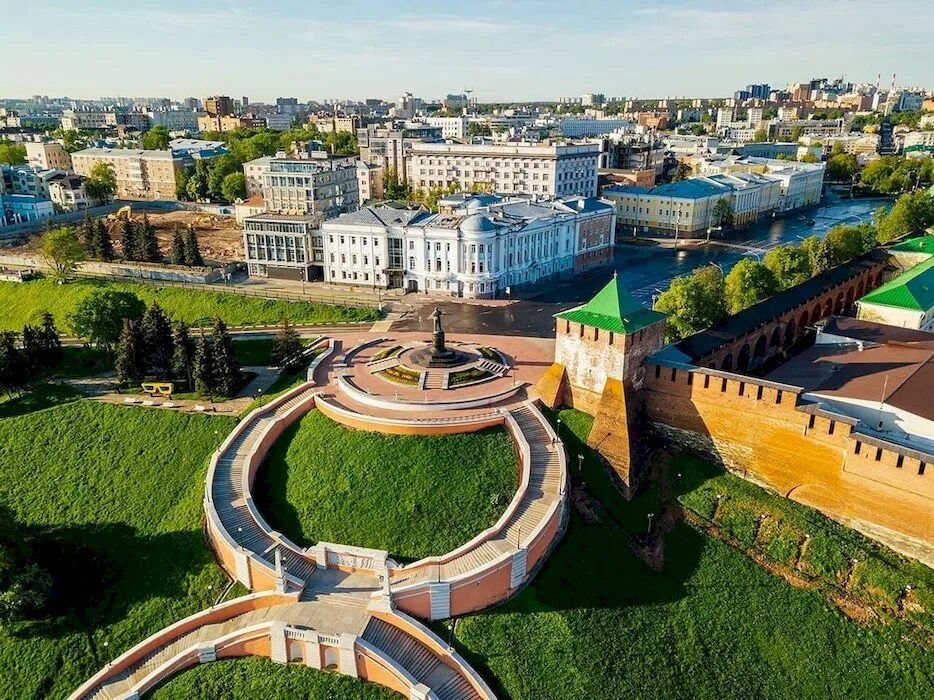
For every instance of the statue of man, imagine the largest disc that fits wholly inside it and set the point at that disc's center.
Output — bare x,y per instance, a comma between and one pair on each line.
436,317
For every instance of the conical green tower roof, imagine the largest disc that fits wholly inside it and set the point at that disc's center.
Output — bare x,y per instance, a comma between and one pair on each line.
613,309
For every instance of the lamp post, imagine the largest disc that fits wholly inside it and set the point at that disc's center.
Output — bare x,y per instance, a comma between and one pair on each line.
580,464
649,529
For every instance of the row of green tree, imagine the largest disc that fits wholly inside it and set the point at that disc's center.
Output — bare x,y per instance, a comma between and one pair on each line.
26,356
701,299
151,346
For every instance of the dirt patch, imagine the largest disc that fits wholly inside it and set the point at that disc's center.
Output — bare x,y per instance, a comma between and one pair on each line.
220,238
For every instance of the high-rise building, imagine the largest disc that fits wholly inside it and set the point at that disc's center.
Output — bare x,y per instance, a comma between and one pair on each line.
218,106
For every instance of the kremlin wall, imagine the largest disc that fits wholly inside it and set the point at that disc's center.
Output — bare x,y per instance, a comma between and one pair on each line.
611,362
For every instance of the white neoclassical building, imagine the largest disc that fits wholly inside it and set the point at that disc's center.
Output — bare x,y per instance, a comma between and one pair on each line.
475,246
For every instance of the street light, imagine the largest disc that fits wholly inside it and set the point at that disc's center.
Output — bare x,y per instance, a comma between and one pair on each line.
649,530
580,464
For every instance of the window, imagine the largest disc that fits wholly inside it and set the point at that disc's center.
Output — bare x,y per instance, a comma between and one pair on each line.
411,263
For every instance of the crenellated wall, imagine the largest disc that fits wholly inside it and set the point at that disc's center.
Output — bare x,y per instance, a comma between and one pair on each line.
763,431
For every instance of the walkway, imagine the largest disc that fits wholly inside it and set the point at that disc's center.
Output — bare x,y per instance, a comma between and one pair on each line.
345,607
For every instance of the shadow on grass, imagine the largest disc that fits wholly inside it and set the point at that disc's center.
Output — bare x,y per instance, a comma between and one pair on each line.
271,492
100,572
38,398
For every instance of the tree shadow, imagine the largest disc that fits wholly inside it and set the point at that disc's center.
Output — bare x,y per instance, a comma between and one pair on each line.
37,398
100,572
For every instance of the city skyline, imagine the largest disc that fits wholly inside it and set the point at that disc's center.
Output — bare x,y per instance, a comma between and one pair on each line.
361,50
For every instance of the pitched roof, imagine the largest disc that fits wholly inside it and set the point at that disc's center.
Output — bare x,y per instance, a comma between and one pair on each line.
922,244
612,309
912,290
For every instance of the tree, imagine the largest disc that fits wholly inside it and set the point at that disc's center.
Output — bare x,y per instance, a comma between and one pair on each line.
722,212
197,185
226,366
89,235
156,139
810,245
287,348
130,362
693,303
192,250
824,260
24,585
129,235
12,153
761,135
478,129
156,335
104,244
181,183
394,187
218,169
12,363
183,354
205,380
146,240
682,172
101,183
796,133
748,283
99,316
32,351
50,344
234,187
790,264
178,246
809,158
845,242
841,166
911,212
62,250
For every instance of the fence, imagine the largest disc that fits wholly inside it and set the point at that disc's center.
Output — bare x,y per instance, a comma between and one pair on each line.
238,289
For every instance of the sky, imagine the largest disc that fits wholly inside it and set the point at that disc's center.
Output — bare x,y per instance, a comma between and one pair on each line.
503,49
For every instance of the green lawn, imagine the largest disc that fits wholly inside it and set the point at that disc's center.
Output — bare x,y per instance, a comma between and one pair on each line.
597,623
113,497
414,496
25,302
260,679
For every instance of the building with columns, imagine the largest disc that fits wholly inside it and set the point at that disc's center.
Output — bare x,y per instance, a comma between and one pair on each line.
477,245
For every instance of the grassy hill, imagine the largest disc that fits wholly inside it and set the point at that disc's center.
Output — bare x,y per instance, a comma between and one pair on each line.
415,496
25,302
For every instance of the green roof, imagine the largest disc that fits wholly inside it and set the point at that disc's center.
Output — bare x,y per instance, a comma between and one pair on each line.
613,309
913,290
922,244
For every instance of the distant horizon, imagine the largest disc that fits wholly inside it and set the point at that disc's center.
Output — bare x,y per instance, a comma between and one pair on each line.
507,51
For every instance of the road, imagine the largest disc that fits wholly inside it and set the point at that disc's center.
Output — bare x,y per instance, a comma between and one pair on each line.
646,270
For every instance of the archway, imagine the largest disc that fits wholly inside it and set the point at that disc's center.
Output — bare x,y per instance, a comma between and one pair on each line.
848,301
802,321
790,331
776,337
839,306
742,364
860,288
761,345
727,363
815,316
828,310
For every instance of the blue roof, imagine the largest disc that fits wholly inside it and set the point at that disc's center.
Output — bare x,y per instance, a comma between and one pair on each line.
692,188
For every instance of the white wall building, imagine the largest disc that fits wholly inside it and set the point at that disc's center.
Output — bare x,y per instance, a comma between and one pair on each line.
476,246
451,127
537,169
580,127
48,155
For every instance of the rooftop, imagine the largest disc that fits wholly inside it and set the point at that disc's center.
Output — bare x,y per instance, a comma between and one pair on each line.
912,290
921,244
870,332
125,153
612,309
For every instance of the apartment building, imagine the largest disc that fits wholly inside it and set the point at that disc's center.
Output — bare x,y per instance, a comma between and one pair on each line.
27,180
329,123
140,174
253,171
580,127
370,185
451,127
76,120
176,119
48,155
390,146
754,187
555,170
218,106
314,185
789,129
477,245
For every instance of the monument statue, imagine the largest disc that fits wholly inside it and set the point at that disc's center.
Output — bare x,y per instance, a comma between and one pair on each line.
437,354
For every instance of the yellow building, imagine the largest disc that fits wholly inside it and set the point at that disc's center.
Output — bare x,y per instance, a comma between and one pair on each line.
139,174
